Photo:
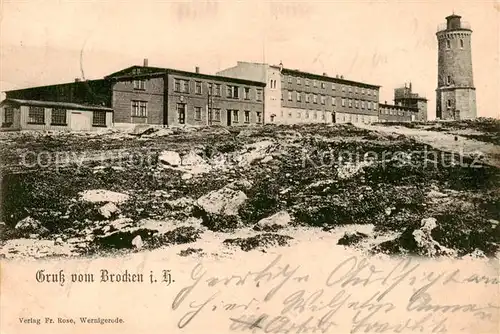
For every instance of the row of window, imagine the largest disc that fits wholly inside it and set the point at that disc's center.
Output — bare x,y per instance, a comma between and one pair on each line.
448,44
357,103
214,114
391,112
323,85
36,115
215,89
307,114
354,118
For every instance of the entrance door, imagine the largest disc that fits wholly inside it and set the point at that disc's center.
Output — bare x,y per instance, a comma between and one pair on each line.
80,121
228,117
181,112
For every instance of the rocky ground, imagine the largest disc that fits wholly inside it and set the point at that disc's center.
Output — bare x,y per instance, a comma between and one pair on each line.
216,191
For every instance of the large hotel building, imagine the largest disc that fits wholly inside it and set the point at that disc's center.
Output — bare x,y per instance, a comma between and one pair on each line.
293,96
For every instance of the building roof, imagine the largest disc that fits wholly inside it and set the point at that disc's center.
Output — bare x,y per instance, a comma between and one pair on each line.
54,104
82,82
159,71
327,78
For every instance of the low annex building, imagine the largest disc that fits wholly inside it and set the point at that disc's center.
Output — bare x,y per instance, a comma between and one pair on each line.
81,105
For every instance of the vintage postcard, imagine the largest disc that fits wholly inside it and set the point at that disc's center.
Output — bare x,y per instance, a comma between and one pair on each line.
249,167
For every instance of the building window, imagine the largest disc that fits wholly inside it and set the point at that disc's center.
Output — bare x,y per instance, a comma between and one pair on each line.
181,113
217,91
307,113
259,94
181,86
299,97
139,109
290,79
210,89
197,88
259,117
333,100
369,105
356,104
363,91
323,85
9,115
216,115
323,99
315,98
298,81
99,118
315,83
197,113
236,115
362,104
369,91
289,96
350,89
449,103
307,98
448,80
233,92
36,115
448,43
333,86
298,114
350,103
315,114
58,117
140,84
323,117
462,43
356,90
307,82
343,102
247,116
374,105
246,93
343,88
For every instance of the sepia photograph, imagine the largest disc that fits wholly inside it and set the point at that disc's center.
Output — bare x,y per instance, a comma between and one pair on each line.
249,166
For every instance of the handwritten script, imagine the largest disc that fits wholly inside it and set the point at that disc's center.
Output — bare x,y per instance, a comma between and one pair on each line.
354,294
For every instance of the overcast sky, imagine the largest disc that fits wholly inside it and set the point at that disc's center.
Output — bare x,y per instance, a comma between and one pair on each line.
386,43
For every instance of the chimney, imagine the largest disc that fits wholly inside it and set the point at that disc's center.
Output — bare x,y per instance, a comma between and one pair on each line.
337,76
197,69
281,66
77,79
341,77
324,74
145,62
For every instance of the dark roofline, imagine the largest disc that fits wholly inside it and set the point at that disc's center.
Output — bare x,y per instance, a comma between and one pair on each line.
49,104
162,71
55,85
421,98
327,78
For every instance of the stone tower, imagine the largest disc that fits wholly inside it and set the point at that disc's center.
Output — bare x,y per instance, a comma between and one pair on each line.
455,93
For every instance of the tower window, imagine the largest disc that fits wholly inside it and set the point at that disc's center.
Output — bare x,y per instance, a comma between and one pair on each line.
448,43
461,43
448,79
449,103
